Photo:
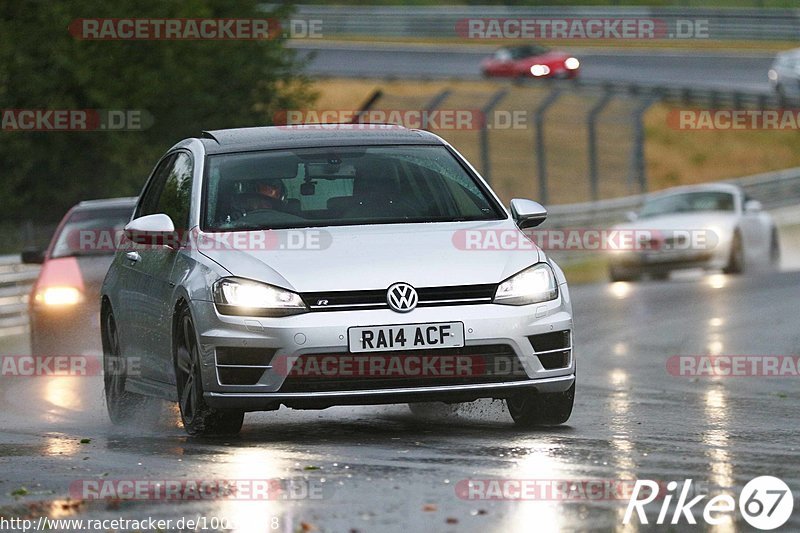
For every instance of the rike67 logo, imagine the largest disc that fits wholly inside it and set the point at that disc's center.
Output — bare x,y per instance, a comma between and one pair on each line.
765,503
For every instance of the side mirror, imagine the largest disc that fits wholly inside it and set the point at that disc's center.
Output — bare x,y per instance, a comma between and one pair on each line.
631,216
32,256
152,229
752,206
527,213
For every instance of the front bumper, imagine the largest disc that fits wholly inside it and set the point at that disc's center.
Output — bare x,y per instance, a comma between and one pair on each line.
320,333
664,261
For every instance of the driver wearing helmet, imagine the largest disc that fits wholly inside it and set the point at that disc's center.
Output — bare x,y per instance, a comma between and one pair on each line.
267,194
273,191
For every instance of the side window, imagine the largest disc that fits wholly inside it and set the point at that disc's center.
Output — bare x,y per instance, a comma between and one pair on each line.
176,196
148,205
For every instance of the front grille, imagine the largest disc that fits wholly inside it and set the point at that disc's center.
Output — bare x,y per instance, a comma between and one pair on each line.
242,366
552,349
451,366
376,298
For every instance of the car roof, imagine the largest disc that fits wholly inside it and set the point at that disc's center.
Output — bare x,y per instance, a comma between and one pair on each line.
107,203
312,136
719,187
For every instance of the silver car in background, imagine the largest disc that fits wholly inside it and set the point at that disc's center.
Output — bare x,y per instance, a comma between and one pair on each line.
319,266
784,74
712,226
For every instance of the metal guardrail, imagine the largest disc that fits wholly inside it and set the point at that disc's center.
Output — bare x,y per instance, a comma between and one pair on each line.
440,21
685,95
773,189
15,283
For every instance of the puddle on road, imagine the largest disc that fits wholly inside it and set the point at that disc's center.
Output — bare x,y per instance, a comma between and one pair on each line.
52,445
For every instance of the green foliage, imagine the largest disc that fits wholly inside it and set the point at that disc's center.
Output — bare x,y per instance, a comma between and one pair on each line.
187,86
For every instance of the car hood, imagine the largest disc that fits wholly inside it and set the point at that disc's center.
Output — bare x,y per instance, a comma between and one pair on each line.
683,221
373,257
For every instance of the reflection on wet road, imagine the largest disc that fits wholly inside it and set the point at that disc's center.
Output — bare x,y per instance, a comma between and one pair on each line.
383,469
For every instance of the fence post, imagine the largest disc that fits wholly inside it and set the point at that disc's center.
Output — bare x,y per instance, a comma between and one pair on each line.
367,105
484,131
437,100
637,167
541,158
591,127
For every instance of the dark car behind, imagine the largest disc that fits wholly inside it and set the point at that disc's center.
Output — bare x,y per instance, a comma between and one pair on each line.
64,303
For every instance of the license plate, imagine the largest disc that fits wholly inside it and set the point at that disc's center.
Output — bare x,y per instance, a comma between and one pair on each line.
405,337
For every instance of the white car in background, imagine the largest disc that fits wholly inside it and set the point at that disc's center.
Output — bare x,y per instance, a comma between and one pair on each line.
712,226
784,74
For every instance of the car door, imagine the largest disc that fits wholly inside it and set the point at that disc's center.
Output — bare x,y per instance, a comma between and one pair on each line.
132,281
149,267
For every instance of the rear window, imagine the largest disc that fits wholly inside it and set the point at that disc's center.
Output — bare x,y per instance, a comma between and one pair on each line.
341,186
91,232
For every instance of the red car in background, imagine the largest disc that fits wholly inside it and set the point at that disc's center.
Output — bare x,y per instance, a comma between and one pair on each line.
530,61
64,305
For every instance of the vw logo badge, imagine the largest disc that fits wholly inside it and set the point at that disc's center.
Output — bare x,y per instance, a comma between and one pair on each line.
402,297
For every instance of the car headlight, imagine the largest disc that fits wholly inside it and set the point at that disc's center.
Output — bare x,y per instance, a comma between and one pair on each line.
58,296
242,297
540,70
572,63
533,285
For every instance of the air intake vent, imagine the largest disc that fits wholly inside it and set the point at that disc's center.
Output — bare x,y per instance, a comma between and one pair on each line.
242,366
552,349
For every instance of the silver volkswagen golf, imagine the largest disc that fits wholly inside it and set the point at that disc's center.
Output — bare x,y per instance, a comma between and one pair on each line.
331,265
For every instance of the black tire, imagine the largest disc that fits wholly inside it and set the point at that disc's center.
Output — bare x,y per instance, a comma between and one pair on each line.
659,276
775,250
432,408
530,409
199,419
736,260
123,406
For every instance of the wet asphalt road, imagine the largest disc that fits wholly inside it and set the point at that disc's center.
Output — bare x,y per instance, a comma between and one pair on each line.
384,469
685,68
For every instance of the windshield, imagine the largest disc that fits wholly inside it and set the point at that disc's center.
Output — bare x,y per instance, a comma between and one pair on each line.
688,203
341,186
91,232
